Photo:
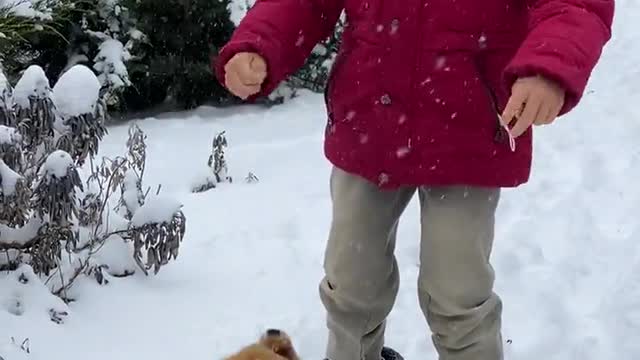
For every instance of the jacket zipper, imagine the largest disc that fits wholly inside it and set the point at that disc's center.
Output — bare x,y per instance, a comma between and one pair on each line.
418,61
502,134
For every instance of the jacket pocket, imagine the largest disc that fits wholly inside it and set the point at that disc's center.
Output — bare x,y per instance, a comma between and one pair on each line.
501,135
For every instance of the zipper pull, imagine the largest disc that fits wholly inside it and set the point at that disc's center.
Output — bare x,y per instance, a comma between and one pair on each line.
512,140
504,129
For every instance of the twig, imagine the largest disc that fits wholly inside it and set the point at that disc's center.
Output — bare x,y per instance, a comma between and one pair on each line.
62,280
19,246
106,198
78,271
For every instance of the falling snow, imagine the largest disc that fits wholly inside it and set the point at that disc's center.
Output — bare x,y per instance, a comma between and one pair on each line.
570,287
383,179
482,41
394,28
402,152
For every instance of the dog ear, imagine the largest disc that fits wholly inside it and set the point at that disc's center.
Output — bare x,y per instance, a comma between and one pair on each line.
287,352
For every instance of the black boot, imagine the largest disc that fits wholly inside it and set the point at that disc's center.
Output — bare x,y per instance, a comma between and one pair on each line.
387,354
390,354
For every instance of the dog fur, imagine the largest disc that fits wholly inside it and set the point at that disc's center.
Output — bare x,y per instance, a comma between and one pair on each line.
274,344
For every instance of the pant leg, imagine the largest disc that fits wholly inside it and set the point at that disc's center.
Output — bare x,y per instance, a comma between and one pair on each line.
456,279
361,274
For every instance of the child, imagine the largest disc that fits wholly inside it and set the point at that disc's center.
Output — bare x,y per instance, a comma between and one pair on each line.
435,97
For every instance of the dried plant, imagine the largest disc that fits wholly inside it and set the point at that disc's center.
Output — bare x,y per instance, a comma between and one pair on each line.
159,242
132,196
217,161
35,114
83,138
11,147
89,210
55,194
24,346
7,117
110,173
207,185
57,316
50,217
7,114
46,252
251,178
36,121
137,149
14,206
217,164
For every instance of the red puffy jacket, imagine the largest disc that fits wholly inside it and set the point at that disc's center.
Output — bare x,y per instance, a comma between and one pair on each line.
416,88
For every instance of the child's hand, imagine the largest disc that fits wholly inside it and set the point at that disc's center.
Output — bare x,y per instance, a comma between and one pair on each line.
534,100
245,73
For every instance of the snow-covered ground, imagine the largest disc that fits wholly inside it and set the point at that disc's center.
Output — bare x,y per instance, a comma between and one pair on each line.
567,249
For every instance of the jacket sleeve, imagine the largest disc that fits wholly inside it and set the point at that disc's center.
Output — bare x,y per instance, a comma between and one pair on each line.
564,43
283,32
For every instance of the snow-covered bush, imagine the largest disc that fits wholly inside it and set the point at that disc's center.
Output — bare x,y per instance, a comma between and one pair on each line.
103,37
58,34
59,223
19,20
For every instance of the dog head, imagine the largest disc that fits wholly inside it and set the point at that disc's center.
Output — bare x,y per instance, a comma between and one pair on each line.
274,344
280,343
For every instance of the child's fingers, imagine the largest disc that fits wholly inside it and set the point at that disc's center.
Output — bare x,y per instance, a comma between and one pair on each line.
529,114
259,68
514,105
242,65
238,88
246,71
545,116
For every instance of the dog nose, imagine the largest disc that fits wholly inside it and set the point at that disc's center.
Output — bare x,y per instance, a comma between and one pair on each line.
273,332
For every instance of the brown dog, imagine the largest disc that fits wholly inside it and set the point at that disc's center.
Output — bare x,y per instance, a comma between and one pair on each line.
274,344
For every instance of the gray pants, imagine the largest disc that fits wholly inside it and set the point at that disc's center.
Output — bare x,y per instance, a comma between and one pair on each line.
455,279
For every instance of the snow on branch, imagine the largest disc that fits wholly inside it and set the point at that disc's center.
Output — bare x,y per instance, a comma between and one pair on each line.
27,8
110,64
19,238
76,92
76,97
157,227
